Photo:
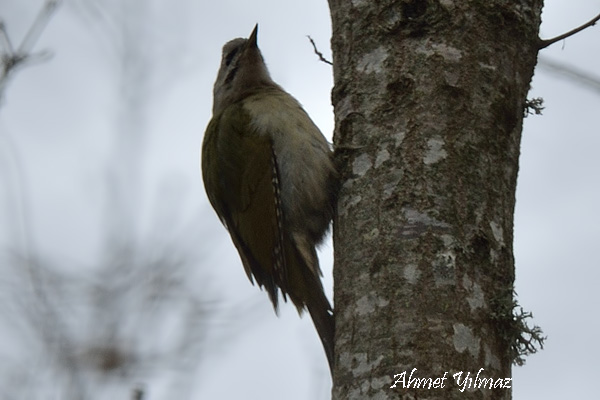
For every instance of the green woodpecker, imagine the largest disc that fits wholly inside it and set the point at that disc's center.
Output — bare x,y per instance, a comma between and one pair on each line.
269,175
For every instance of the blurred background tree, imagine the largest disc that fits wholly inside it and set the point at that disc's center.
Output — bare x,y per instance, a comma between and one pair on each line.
131,315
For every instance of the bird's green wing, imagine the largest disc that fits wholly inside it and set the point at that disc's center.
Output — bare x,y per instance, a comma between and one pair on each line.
240,173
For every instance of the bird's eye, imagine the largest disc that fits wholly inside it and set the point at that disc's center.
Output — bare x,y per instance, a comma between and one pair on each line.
230,55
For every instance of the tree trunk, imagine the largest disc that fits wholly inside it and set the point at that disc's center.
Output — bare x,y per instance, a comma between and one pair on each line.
429,100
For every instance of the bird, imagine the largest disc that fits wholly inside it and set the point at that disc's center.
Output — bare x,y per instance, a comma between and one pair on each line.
270,176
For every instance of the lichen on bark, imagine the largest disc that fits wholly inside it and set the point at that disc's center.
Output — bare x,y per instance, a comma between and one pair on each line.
429,98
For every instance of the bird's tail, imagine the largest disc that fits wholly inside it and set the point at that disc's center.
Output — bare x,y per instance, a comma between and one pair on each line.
322,315
304,287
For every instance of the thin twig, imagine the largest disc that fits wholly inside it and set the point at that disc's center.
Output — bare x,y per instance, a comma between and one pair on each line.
317,52
11,59
37,27
545,43
587,79
6,43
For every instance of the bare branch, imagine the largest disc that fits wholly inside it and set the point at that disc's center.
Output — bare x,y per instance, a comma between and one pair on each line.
317,52
568,71
11,59
37,27
547,42
6,43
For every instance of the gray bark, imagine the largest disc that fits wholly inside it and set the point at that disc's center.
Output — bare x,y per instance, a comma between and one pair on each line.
429,99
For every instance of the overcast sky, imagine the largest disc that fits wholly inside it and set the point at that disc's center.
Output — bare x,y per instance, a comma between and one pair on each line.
64,115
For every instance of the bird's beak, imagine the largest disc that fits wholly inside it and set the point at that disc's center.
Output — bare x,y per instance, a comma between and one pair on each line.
252,42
